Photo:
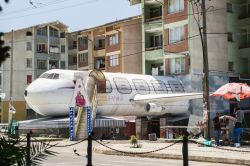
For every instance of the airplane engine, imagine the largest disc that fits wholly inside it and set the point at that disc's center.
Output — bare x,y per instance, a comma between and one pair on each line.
153,107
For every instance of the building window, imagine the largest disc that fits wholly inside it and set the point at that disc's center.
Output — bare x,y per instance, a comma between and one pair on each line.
155,12
41,48
83,58
41,64
230,66
28,46
176,34
53,32
0,79
100,64
101,43
74,45
74,60
156,41
62,48
175,6
53,49
113,39
83,41
29,79
229,8
28,33
177,65
229,36
42,31
113,60
62,64
29,62
62,35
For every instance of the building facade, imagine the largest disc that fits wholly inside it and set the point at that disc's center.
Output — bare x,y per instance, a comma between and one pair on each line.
34,50
172,44
113,47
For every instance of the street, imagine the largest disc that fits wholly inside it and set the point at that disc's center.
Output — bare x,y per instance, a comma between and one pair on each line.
66,156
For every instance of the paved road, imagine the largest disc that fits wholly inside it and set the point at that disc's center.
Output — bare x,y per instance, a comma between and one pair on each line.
66,157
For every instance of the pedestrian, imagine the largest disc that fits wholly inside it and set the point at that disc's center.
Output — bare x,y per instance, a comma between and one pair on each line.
238,128
217,128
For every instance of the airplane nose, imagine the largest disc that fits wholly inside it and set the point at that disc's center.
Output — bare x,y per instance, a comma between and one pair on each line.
25,93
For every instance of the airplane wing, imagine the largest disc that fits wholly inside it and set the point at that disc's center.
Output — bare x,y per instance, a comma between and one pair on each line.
165,98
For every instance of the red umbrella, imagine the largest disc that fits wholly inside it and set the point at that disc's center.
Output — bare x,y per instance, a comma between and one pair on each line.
233,91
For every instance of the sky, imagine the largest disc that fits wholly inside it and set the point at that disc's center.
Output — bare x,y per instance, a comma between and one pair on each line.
77,14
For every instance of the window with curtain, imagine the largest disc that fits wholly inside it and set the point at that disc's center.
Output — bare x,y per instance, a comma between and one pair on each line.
176,34
177,65
175,6
114,60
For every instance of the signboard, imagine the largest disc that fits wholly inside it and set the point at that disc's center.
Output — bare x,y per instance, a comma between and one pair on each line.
71,123
89,127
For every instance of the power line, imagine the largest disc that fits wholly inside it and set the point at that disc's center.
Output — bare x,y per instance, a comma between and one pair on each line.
32,8
54,10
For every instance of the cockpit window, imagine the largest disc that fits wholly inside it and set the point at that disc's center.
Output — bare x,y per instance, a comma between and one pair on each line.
56,76
44,75
50,76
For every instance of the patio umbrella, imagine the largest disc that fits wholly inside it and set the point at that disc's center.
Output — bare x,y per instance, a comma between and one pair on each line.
228,117
233,91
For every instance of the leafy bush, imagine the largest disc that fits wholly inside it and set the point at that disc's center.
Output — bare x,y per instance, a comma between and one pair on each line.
134,142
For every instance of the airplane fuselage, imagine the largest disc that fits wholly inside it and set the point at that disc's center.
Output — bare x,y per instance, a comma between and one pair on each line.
52,92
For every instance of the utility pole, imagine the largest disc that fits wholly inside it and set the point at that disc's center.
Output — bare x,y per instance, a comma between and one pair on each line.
206,103
11,78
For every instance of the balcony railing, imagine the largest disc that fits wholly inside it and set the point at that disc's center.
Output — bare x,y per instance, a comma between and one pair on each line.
244,45
153,19
99,48
244,15
153,48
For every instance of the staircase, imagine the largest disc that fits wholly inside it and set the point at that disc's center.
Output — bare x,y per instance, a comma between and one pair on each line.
81,122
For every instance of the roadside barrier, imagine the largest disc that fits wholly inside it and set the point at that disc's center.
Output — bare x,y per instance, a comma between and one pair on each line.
127,152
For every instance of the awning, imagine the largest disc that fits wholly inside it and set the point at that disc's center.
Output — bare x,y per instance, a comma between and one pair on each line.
109,123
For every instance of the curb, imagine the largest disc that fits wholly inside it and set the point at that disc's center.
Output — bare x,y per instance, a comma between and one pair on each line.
179,157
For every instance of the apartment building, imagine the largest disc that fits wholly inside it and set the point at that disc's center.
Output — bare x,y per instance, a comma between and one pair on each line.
72,50
172,44
35,50
112,47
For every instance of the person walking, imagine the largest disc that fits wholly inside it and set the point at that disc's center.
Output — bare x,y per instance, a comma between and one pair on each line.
238,127
217,128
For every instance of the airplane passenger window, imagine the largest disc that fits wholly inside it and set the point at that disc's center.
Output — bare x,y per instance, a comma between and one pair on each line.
122,85
176,86
108,87
168,87
141,86
159,87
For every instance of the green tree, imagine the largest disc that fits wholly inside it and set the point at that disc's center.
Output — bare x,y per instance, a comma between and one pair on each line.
3,49
6,1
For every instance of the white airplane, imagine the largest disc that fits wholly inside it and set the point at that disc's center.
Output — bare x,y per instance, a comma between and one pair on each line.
117,95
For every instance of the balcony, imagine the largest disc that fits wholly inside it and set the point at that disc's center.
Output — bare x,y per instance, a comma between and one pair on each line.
244,50
244,19
153,26
154,53
153,19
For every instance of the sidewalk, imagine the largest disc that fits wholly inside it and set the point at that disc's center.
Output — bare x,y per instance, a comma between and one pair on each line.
224,154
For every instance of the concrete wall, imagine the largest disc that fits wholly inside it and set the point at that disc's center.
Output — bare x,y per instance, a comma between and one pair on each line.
131,46
217,44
